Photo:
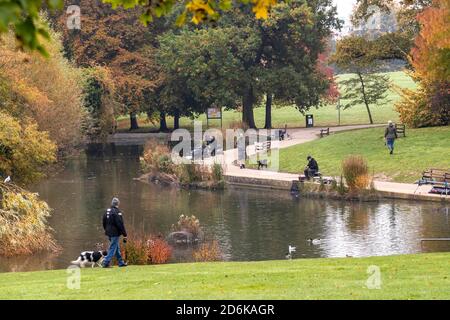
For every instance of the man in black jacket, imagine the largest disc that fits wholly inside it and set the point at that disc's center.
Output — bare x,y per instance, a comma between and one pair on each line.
114,228
312,168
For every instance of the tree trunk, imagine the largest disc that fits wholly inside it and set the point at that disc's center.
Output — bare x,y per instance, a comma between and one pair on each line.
133,121
363,91
247,109
176,119
268,124
162,122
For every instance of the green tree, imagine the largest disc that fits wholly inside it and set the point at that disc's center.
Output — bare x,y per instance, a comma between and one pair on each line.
100,100
360,56
242,60
23,17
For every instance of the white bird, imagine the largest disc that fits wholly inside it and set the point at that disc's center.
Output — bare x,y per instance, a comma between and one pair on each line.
314,241
7,180
291,250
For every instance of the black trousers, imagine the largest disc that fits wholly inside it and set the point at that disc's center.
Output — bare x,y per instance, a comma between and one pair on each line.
309,173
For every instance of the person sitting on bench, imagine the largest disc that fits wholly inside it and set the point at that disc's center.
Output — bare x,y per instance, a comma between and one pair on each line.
312,168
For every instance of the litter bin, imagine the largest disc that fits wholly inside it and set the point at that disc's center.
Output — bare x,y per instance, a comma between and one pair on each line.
309,121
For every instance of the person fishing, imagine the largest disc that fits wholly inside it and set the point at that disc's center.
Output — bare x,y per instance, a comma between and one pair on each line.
311,168
114,229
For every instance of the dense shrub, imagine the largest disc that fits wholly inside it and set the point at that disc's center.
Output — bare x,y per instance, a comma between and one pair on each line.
193,172
217,172
23,223
157,158
142,250
24,150
356,173
207,252
159,251
428,105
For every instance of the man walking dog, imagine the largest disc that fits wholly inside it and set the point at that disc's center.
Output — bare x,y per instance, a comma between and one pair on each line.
114,228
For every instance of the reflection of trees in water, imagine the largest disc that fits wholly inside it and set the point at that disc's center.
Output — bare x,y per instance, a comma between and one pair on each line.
40,261
264,223
374,228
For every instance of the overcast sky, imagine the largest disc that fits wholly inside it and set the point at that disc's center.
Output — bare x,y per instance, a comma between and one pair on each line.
344,8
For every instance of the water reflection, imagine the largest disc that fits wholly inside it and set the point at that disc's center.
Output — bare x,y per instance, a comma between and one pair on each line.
249,224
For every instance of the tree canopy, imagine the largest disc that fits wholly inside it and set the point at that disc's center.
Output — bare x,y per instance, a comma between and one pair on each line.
242,59
23,15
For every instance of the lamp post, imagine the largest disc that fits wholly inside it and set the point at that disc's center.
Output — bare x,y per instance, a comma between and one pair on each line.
338,107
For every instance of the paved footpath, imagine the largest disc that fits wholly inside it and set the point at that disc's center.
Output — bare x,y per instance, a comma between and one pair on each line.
303,135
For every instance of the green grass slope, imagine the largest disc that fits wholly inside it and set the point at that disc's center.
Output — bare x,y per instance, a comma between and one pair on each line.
420,150
424,276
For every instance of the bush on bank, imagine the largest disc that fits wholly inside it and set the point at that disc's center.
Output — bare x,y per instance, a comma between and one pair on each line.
23,223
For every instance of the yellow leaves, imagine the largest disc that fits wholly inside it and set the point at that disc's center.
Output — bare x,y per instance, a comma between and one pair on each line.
23,222
261,8
207,10
29,149
201,10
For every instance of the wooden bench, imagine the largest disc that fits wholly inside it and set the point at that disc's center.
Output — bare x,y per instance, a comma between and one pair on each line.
438,178
401,129
435,176
324,132
263,146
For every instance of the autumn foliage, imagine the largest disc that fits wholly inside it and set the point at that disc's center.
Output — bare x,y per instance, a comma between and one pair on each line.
25,151
23,223
429,105
142,250
48,90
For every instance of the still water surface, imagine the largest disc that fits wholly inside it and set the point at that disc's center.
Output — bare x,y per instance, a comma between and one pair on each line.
249,224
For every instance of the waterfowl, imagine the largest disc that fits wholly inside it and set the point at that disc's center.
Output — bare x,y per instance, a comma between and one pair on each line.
314,241
291,250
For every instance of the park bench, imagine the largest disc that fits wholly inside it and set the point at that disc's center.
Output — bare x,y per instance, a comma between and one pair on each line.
324,132
401,129
438,178
262,146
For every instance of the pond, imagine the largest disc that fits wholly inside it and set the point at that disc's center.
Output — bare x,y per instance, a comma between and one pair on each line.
249,224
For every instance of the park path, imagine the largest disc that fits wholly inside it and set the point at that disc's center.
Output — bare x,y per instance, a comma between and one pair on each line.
303,135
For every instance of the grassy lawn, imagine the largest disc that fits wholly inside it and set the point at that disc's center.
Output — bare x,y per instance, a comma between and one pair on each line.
423,276
421,149
325,116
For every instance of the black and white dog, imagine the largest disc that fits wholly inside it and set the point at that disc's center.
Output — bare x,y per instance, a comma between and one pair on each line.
90,257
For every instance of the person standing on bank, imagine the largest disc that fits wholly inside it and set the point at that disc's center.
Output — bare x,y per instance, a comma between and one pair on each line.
114,228
390,134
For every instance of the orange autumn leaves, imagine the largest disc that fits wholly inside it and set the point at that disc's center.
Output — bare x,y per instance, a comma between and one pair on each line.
431,55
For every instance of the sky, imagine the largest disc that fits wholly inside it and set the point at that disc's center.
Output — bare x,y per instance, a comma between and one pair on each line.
344,8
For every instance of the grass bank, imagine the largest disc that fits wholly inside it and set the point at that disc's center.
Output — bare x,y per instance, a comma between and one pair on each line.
420,150
324,116
423,276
